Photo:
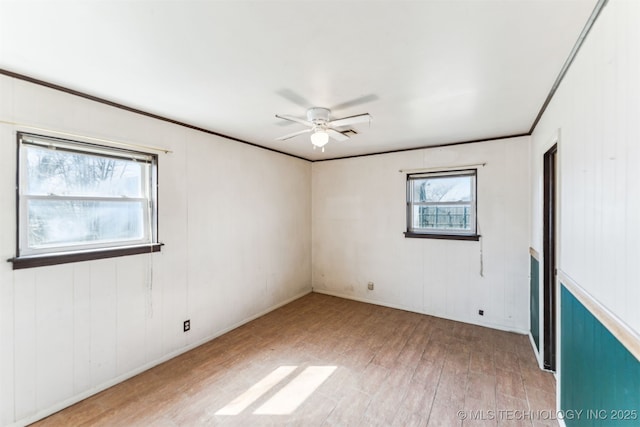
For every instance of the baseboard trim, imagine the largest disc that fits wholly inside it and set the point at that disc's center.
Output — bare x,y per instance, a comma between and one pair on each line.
535,351
413,310
95,390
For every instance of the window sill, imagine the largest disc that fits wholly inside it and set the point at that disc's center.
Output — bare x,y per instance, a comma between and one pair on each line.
474,237
64,258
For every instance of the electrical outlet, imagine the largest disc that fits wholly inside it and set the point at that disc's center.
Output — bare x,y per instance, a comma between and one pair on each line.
481,312
186,326
370,286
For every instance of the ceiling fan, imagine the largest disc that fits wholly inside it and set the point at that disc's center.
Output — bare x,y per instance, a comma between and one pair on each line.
321,128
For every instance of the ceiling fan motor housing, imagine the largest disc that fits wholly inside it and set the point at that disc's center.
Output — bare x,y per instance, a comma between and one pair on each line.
318,116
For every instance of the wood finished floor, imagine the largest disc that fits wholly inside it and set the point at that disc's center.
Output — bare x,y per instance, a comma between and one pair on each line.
392,368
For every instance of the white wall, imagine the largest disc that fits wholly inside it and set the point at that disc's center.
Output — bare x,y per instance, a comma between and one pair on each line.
359,217
596,111
235,221
70,329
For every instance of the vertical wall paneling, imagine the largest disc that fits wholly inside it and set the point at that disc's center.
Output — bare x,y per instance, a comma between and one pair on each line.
54,330
235,221
359,216
24,344
8,293
597,106
103,321
81,327
131,294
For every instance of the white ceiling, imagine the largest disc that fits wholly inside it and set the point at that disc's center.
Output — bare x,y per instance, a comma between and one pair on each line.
429,72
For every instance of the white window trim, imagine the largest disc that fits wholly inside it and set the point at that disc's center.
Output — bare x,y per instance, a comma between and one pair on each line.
471,234
94,250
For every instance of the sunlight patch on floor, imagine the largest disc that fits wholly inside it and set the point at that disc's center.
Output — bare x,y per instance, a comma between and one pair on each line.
254,393
293,394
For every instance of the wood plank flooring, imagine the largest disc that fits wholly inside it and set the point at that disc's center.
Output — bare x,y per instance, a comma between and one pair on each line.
326,361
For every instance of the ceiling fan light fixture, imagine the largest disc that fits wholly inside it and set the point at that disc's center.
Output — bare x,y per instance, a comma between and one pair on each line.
319,138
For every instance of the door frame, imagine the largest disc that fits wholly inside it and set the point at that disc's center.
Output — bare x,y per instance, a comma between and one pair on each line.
550,251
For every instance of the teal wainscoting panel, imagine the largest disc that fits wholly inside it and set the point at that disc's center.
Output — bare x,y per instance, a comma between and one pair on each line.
599,377
534,301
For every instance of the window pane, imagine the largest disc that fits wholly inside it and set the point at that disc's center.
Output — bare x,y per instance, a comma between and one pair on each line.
442,203
77,222
66,173
442,189
442,217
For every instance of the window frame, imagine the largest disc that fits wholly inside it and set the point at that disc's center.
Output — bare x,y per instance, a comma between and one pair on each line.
149,243
442,233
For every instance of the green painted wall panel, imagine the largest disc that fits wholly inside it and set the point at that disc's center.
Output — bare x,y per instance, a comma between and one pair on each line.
599,378
534,301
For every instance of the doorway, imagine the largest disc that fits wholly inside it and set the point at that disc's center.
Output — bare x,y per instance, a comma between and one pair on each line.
549,256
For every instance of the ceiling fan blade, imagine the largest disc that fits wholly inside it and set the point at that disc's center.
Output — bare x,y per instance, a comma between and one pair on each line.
357,101
295,119
337,135
291,135
360,118
294,97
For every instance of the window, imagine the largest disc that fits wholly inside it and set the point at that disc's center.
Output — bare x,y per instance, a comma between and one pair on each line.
442,205
78,198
